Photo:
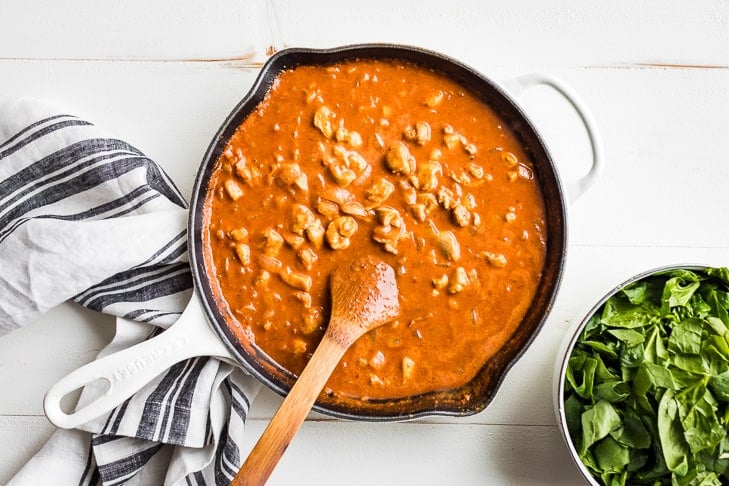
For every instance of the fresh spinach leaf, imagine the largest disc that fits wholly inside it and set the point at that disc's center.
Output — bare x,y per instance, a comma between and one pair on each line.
679,290
719,385
637,293
597,422
611,456
634,434
629,336
647,388
612,391
674,447
687,337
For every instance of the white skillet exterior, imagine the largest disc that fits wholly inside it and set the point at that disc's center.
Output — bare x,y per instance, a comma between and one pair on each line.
191,335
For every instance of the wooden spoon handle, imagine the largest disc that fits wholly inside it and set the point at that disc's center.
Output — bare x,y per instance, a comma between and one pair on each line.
288,419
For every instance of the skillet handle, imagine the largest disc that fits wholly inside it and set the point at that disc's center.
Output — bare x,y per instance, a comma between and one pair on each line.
518,85
127,371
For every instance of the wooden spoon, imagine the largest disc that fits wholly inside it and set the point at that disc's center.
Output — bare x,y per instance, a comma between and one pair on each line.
364,296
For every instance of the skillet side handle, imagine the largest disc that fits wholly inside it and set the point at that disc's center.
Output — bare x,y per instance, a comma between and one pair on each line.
575,189
127,371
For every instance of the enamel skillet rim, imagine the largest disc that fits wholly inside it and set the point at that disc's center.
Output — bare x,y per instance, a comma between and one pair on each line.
477,394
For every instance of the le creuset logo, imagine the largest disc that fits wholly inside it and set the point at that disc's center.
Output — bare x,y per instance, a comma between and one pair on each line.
142,362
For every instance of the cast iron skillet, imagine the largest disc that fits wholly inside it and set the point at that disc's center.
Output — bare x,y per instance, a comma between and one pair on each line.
129,370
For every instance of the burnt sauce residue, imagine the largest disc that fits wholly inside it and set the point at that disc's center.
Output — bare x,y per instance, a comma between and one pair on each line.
389,159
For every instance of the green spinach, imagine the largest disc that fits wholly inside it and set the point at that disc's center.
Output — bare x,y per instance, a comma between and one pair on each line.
647,384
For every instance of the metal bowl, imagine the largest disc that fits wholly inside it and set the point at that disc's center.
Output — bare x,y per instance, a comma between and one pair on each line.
565,352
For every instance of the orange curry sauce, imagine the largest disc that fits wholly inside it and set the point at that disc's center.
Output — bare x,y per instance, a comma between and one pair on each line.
390,159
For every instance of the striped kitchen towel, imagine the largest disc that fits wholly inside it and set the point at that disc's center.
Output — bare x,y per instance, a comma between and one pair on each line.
89,218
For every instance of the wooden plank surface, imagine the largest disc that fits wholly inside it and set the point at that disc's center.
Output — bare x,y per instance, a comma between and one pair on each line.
163,75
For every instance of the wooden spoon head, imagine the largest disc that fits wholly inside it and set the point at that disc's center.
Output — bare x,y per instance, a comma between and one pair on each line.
364,296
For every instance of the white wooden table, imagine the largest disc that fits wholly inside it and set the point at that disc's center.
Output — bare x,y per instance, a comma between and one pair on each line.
163,75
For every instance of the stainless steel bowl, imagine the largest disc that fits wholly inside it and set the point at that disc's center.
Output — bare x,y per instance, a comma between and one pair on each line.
567,347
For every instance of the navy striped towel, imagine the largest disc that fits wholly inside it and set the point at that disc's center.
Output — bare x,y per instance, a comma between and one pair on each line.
88,218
